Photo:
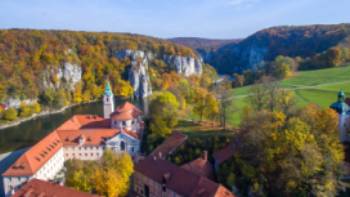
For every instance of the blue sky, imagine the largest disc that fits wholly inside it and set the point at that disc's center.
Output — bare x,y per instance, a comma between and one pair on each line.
171,18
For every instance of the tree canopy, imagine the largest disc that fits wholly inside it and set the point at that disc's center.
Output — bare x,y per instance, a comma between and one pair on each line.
163,112
109,176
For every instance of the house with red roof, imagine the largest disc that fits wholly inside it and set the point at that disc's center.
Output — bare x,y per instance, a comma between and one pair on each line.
36,188
158,177
3,107
83,137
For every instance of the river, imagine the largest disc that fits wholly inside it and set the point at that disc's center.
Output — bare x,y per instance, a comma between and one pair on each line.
29,132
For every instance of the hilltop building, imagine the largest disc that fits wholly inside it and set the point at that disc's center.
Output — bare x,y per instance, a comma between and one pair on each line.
83,137
342,108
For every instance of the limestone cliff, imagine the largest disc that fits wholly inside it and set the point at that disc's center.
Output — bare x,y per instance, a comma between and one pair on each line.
66,75
138,71
184,65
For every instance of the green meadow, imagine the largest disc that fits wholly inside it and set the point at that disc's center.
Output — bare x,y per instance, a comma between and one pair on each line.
318,86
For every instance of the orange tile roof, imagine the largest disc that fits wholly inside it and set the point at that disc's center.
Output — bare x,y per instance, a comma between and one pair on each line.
93,137
131,133
32,160
181,181
84,122
39,188
127,111
93,129
169,145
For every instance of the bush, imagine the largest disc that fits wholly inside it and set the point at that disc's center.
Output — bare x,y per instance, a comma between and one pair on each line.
25,110
10,114
36,108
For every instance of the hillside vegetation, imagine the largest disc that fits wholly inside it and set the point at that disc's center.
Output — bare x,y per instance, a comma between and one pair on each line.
319,87
313,46
26,54
43,70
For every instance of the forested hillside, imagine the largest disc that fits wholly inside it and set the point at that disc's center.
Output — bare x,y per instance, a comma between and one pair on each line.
56,68
313,46
203,43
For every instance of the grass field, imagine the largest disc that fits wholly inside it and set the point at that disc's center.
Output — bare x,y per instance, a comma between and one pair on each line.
319,87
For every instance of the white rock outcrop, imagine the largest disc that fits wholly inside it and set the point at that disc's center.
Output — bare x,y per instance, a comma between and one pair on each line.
186,66
70,74
67,75
16,102
138,73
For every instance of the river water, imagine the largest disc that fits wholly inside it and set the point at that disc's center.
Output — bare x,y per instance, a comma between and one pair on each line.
29,132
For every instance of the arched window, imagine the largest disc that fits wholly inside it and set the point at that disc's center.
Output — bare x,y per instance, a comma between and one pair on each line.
122,145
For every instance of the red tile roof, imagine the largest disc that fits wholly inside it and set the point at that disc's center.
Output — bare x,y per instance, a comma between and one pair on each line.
169,145
200,166
35,157
181,181
3,106
39,188
127,111
91,128
68,134
93,137
225,153
84,122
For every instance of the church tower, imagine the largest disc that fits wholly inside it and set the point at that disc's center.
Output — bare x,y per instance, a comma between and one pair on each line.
343,110
108,101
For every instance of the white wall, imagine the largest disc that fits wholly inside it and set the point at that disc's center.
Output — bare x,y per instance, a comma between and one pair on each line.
108,106
132,146
83,152
46,172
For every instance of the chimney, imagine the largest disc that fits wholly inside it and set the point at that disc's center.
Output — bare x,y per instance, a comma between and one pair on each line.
205,155
160,155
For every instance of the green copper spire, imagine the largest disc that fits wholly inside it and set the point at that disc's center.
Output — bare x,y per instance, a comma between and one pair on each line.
340,106
341,96
108,90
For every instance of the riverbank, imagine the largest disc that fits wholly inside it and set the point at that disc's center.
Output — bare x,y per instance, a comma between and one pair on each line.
41,114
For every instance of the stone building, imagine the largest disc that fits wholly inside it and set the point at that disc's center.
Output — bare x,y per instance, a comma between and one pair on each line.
83,137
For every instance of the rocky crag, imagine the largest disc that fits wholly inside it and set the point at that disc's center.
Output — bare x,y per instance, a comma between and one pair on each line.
138,75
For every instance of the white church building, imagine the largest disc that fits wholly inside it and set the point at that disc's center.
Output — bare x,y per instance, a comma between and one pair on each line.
83,137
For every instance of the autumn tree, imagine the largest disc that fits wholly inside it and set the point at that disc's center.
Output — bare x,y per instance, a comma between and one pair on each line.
25,110
238,80
10,114
268,95
205,104
36,108
114,178
163,113
281,156
110,176
283,67
224,95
